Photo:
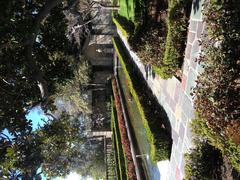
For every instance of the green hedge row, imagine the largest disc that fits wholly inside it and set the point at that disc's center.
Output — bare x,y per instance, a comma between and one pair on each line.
114,141
156,154
177,23
121,166
131,174
125,26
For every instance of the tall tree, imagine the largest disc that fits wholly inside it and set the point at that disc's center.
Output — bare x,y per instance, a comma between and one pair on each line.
34,56
72,91
36,62
59,138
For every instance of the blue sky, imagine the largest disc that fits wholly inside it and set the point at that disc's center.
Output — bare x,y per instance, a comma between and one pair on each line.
37,116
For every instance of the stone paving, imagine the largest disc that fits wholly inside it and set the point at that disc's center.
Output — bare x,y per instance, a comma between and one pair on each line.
175,96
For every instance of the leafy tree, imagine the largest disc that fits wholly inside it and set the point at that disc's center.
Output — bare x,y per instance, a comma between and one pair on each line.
29,66
94,162
72,90
59,138
34,56
37,65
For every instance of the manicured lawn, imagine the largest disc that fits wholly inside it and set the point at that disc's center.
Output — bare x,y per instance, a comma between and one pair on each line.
127,9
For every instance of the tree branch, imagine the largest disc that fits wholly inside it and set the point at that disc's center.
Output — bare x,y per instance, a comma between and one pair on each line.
104,6
51,115
38,75
6,136
74,28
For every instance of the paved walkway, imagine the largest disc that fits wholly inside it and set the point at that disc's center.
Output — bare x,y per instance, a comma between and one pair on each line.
174,95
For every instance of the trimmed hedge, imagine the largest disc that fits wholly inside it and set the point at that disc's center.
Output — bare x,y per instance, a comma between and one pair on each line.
124,25
124,138
217,92
121,167
162,142
177,24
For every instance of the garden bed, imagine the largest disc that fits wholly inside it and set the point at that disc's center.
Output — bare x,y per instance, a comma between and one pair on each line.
121,166
153,116
217,92
159,38
131,174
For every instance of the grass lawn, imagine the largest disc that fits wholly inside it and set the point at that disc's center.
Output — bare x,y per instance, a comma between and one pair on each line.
127,9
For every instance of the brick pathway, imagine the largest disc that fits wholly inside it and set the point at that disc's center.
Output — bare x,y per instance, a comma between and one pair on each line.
175,96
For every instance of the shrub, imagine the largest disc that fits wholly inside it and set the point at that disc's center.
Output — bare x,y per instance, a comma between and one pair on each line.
124,138
203,162
218,87
149,43
225,145
177,23
159,44
156,43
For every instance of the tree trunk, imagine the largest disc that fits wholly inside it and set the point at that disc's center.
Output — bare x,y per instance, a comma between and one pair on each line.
37,74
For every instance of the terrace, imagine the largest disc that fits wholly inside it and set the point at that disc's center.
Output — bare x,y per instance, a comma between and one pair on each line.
148,121
170,70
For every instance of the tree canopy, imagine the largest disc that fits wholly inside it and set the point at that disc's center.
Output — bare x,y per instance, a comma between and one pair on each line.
38,62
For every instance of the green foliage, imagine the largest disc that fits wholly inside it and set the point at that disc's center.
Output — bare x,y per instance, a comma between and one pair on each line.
121,165
159,143
224,144
127,9
28,66
59,136
20,154
175,40
149,43
125,26
159,44
217,92
203,162
72,90
19,77
131,174
93,162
